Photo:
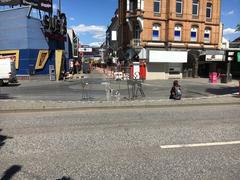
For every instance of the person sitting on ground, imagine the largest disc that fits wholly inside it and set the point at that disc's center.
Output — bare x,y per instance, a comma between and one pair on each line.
176,92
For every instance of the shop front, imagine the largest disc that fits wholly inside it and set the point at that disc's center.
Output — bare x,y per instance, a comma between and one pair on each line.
165,64
212,62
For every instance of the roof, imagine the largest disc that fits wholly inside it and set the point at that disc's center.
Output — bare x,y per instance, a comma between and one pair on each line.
237,40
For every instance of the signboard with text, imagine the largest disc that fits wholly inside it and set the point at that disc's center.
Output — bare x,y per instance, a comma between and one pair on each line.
9,2
215,57
44,5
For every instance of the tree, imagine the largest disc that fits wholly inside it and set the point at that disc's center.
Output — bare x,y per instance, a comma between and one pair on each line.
238,28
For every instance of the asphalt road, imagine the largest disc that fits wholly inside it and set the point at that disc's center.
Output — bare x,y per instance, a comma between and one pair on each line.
122,144
71,90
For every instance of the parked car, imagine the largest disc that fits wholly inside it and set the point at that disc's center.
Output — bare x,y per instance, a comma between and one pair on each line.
7,71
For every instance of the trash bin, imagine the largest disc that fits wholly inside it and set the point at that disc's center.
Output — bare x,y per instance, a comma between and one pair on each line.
213,77
224,78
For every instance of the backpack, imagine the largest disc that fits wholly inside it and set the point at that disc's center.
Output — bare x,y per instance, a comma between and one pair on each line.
178,91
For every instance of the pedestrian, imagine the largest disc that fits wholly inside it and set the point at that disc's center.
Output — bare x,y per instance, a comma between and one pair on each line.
176,92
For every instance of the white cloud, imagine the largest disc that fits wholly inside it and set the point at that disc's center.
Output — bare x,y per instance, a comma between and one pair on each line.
72,18
95,44
97,32
230,12
229,31
55,7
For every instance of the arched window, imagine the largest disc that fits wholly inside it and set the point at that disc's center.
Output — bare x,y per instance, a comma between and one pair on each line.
207,35
194,33
195,5
179,6
156,32
209,10
178,33
156,7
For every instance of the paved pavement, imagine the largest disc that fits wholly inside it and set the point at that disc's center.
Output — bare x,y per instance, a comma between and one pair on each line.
122,144
72,90
42,94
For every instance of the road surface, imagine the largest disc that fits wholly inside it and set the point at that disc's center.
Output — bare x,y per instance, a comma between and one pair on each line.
200,142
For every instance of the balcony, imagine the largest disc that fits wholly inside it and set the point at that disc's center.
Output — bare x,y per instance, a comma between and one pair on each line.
136,43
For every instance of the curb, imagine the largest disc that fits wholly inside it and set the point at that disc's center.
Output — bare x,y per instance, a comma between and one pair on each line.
38,105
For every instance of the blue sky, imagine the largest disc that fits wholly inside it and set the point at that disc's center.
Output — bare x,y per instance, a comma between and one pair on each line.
90,18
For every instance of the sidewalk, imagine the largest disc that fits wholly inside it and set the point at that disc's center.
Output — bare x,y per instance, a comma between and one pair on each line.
35,105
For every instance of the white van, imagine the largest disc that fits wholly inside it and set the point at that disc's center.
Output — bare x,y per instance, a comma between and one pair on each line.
7,70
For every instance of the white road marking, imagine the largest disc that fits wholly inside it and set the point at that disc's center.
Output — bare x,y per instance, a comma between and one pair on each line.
199,145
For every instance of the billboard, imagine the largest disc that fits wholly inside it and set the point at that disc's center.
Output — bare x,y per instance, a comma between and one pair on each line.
9,2
44,5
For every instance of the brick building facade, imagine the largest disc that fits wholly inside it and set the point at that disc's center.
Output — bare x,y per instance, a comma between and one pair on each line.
168,34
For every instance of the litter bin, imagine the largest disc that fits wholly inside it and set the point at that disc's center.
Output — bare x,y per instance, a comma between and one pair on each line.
224,78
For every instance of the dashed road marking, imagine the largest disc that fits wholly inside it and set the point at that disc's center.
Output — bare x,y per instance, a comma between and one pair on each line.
199,145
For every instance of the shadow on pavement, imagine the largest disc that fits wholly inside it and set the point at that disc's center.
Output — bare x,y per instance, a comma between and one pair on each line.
3,139
222,90
65,178
10,172
5,96
13,85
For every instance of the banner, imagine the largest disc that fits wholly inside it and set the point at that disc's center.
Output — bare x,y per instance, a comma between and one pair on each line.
9,2
44,5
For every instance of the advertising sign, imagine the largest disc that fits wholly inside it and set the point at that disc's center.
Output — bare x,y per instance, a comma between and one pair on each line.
214,57
44,5
9,2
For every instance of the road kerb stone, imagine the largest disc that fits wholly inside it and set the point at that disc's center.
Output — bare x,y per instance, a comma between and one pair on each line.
40,105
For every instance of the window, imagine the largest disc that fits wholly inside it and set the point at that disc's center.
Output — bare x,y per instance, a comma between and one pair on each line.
178,33
132,5
195,8
194,31
137,31
207,37
209,11
156,6
156,32
179,6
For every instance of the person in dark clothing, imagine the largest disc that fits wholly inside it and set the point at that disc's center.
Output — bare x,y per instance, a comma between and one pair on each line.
176,92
